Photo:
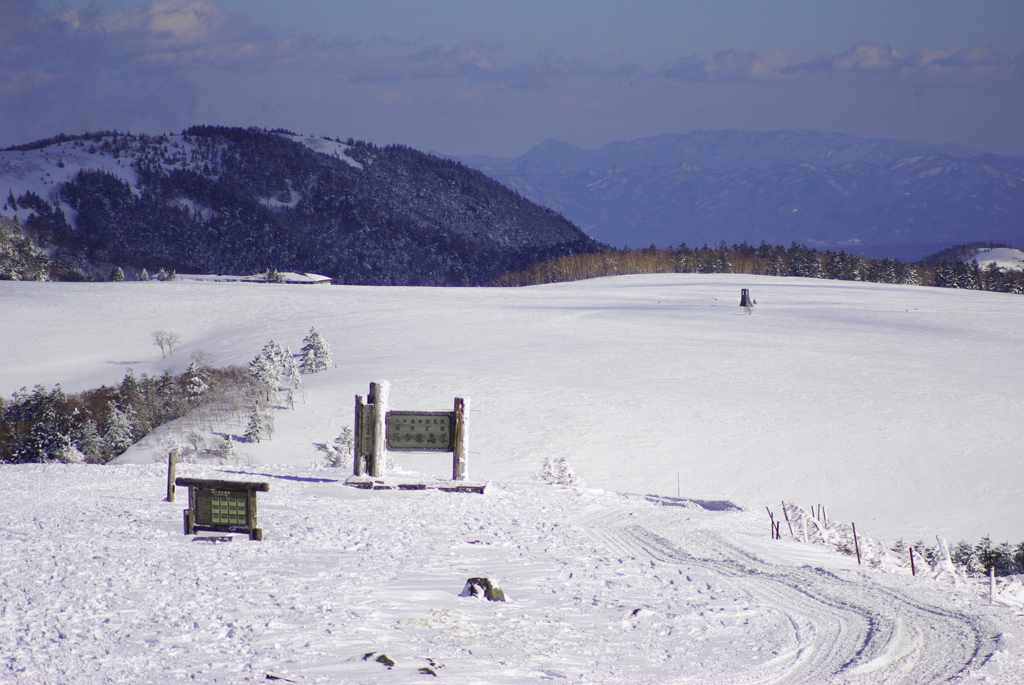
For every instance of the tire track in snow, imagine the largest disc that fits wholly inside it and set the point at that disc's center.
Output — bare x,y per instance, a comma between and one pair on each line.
831,629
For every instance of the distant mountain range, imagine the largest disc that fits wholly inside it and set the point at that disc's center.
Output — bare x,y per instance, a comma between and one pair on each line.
875,197
240,201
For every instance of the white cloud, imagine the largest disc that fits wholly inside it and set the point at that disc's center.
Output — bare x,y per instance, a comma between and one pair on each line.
864,60
169,63
59,74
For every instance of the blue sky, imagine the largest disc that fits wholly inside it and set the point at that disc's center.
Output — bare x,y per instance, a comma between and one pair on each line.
497,77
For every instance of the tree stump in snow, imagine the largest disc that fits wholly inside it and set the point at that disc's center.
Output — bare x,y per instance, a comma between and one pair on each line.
745,300
482,586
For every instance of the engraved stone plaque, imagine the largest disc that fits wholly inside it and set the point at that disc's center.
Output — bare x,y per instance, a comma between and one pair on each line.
425,431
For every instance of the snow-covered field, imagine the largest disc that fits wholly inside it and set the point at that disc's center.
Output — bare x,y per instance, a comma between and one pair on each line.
897,407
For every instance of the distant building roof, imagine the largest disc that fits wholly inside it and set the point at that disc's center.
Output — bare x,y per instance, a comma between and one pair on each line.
314,279
286,277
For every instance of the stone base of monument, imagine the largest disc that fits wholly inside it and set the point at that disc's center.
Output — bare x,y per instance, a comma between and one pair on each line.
399,483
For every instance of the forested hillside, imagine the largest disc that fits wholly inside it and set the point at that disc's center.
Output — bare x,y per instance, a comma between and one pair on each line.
245,200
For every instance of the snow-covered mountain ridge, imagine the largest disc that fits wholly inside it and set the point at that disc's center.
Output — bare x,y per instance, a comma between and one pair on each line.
881,198
229,200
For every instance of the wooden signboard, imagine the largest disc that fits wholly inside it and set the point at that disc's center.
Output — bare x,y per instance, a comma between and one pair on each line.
379,430
422,431
222,505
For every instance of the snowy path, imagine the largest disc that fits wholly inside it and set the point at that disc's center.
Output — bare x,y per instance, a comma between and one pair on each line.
99,585
826,627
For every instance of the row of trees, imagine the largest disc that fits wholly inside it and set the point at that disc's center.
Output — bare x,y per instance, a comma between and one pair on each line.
94,426
770,260
276,374
974,560
117,275
20,260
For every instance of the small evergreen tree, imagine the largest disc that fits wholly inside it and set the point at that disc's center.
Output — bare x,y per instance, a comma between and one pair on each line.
340,452
70,454
291,377
118,434
129,386
257,426
89,442
988,555
196,386
225,451
1018,558
265,371
278,357
290,373
44,442
117,275
316,354
143,275
964,558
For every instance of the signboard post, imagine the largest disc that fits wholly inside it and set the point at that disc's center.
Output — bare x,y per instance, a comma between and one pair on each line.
363,436
172,470
460,448
222,505
378,399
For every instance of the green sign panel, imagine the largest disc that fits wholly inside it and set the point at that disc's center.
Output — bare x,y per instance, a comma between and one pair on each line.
412,431
221,508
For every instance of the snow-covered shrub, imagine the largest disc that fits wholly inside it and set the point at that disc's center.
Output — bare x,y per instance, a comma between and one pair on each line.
340,452
557,471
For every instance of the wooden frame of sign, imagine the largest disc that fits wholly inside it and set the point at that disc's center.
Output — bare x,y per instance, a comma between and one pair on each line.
379,430
222,505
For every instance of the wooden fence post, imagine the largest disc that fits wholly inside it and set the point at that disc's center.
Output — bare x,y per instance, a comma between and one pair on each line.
788,522
379,391
172,468
460,451
856,544
913,571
